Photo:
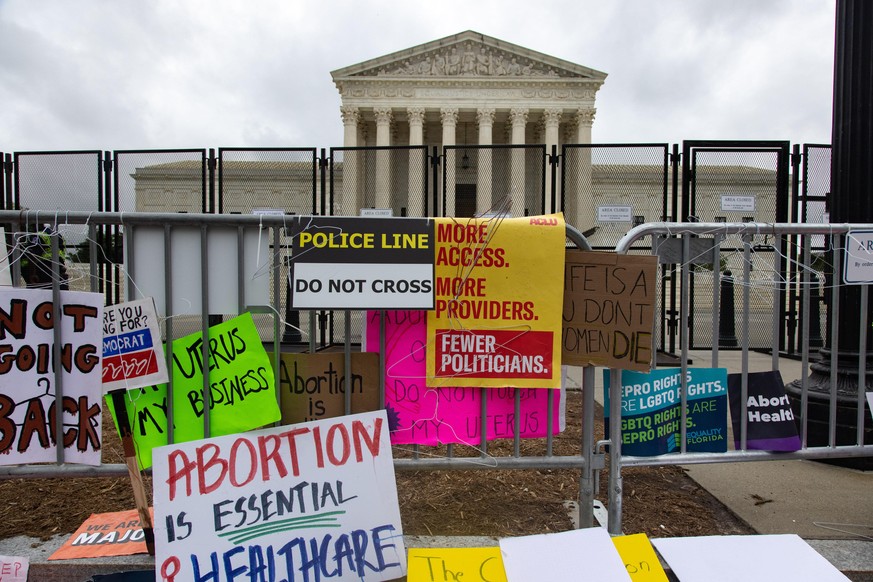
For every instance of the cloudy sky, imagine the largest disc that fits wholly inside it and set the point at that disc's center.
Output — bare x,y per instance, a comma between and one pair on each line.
131,74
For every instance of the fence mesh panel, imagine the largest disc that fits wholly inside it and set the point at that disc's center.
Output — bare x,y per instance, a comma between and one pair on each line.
609,189
735,185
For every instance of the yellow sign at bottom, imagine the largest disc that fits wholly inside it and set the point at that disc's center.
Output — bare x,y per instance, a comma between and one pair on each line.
467,564
639,558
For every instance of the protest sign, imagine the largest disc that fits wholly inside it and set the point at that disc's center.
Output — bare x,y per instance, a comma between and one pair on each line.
119,533
313,386
242,389
28,422
14,568
609,310
640,559
132,354
651,411
770,422
428,416
467,564
498,303
361,263
314,501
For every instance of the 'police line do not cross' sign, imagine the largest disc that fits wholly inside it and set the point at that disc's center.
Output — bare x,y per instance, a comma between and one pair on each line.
362,263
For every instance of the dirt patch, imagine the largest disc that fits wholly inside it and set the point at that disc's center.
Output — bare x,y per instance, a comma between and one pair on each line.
658,501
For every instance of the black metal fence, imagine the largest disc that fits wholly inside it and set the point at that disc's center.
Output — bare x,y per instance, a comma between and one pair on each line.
603,190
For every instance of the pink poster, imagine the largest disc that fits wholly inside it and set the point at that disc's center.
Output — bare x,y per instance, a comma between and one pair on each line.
430,416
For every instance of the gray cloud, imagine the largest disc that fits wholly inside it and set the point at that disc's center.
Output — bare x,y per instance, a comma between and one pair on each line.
164,74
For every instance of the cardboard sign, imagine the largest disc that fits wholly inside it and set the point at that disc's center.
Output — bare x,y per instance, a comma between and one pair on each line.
132,352
651,411
14,568
243,391
640,559
609,310
467,564
770,421
313,386
27,376
361,263
118,533
498,297
314,501
424,415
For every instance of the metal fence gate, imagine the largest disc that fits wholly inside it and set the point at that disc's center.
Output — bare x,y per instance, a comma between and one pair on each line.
497,179
729,181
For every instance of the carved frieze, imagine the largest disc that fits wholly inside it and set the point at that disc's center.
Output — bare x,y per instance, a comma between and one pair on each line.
468,59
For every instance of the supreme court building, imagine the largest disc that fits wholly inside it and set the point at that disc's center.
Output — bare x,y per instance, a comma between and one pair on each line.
467,90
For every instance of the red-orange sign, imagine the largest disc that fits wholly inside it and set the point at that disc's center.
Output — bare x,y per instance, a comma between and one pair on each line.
105,534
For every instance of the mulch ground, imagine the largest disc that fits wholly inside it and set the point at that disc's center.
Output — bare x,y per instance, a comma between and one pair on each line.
658,501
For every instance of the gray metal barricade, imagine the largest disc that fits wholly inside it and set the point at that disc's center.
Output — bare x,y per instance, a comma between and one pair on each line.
273,227
804,237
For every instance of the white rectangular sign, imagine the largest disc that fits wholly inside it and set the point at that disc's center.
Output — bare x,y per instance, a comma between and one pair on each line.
310,501
749,558
858,263
733,203
383,212
147,275
351,285
580,554
362,263
615,214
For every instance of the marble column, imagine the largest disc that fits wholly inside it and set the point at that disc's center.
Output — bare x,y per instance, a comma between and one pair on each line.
552,123
580,211
517,186
350,201
415,203
383,157
484,201
449,119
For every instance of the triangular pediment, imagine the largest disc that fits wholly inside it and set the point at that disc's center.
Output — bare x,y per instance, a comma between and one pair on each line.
468,54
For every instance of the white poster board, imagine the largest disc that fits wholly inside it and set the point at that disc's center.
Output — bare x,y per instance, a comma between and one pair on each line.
133,355
763,558
147,276
580,554
28,382
318,500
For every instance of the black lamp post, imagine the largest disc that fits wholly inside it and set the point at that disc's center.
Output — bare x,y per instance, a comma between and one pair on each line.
851,202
